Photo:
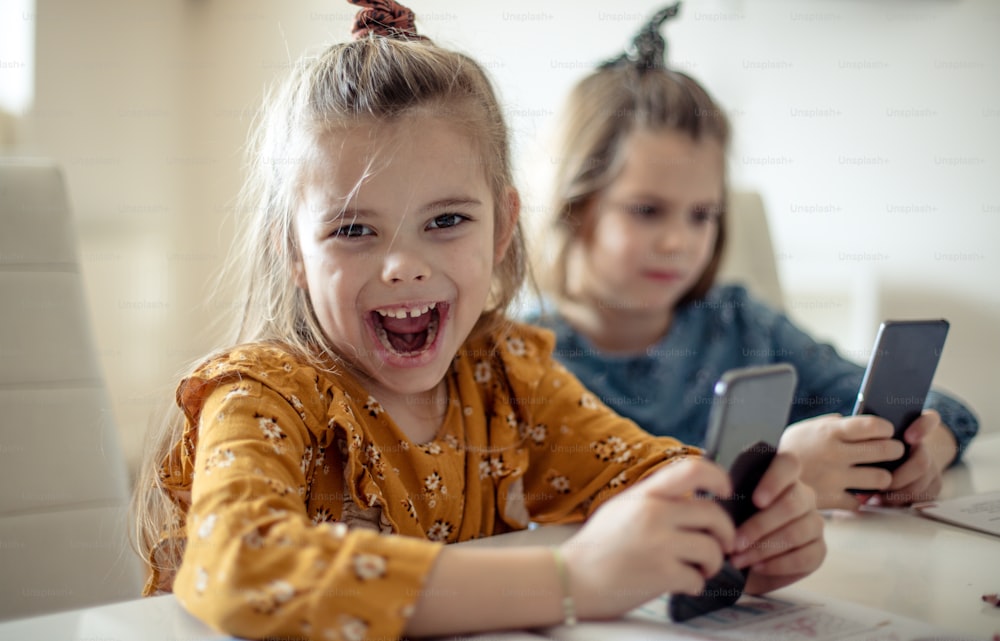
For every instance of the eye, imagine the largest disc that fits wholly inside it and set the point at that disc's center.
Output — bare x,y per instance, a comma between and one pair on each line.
704,215
643,211
352,230
445,221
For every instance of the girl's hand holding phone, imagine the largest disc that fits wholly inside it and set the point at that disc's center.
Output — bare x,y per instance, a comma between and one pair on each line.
833,450
783,542
658,536
932,448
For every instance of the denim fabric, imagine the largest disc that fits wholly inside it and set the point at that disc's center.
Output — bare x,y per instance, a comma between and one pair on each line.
668,389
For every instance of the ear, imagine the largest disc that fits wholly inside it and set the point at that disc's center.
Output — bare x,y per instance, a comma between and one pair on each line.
299,273
508,213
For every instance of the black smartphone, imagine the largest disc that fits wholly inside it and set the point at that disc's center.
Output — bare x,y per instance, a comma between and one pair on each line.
899,374
749,412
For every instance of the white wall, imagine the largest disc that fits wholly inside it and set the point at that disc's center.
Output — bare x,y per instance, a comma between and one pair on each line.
871,128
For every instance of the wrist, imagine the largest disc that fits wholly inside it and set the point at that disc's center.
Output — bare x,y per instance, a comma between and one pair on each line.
567,602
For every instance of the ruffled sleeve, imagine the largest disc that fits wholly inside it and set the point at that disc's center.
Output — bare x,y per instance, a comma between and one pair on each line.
256,562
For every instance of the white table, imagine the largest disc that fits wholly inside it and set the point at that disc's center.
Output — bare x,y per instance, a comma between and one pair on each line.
893,560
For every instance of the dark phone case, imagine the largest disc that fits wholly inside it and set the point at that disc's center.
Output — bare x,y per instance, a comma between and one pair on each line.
904,351
726,587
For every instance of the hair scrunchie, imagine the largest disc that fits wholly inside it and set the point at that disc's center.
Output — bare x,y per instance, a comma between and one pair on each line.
648,49
384,18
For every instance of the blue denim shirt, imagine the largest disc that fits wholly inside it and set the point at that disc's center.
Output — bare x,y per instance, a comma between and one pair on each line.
668,390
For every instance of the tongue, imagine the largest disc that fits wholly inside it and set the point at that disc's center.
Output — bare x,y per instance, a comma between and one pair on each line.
407,334
408,325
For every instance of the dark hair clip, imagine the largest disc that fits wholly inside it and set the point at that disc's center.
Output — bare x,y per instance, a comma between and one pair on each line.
648,49
384,18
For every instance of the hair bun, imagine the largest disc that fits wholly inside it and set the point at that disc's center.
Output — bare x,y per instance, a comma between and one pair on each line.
384,18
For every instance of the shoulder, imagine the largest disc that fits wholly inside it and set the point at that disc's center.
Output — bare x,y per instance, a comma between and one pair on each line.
515,342
287,372
733,304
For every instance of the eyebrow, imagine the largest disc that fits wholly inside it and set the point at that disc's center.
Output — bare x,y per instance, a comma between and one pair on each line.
437,205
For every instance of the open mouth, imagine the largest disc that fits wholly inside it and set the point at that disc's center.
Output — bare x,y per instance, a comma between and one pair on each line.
407,331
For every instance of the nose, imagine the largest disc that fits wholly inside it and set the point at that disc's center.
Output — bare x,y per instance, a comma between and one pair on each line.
402,265
672,237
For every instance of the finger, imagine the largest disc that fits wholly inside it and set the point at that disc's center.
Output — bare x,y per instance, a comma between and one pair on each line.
701,552
794,535
794,564
923,489
866,477
782,474
920,428
705,517
917,466
874,451
863,428
798,501
685,479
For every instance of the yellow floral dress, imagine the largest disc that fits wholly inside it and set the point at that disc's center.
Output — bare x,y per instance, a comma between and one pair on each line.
306,512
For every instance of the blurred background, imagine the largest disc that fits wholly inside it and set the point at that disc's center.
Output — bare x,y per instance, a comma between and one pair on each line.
871,128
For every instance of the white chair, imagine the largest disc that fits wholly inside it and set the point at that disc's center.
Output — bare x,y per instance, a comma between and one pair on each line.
749,257
63,479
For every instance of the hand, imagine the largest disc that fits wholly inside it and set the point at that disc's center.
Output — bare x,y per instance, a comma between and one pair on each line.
831,449
932,448
655,537
783,542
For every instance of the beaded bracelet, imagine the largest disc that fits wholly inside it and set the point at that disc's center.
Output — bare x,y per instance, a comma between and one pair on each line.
569,606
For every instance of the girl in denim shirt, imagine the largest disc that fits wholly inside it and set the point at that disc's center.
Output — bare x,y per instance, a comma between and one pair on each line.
639,225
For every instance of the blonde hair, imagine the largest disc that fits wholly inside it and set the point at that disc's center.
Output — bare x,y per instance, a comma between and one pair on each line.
372,79
601,111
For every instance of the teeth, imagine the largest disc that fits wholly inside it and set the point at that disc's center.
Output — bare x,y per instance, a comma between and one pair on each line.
402,312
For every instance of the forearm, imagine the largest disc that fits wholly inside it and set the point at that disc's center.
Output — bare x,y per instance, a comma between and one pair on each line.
478,589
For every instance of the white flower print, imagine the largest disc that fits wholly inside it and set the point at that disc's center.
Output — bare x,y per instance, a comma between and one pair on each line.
452,441
483,372
516,347
484,469
432,482
439,531
219,458
369,566
200,581
299,407
272,432
411,511
206,526
538,433
588,401
253,539
497,468
431,448
287,367
352,628
404,446
281,591
611,448
241,389
618,481
373,406
512,420
322,515
467,411
559,482
307,455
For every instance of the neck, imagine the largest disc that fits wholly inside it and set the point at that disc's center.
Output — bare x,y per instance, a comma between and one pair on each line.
617,331
419,416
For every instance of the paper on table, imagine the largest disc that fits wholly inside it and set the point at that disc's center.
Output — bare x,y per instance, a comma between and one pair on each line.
980,512
792,617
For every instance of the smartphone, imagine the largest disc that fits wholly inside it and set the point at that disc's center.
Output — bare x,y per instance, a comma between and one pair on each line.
899,374
750,409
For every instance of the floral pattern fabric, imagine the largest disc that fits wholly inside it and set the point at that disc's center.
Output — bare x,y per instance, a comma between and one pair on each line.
306,511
